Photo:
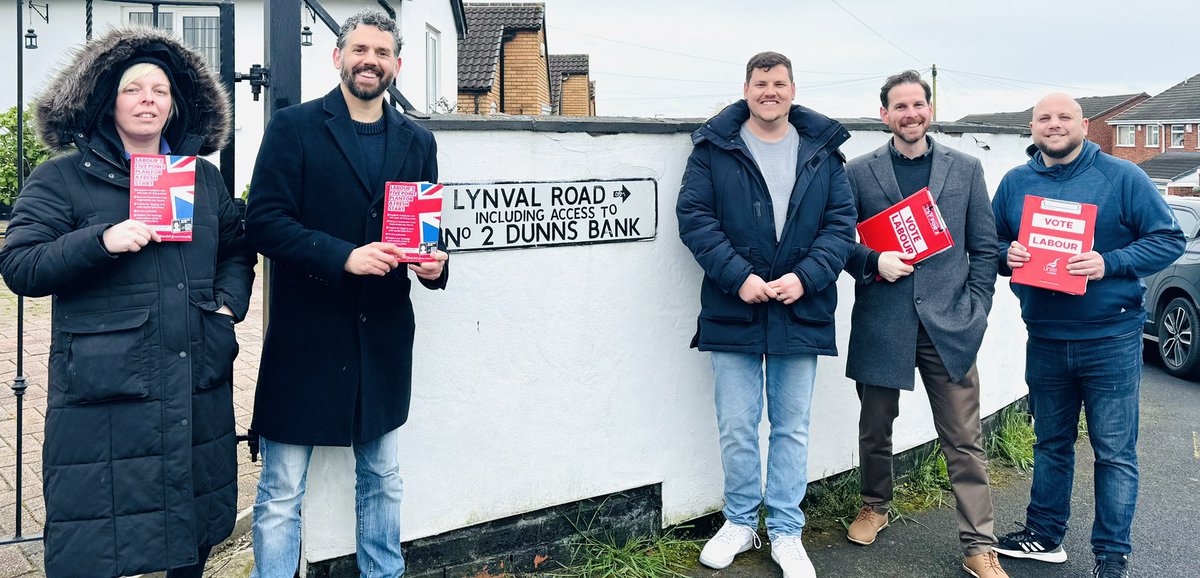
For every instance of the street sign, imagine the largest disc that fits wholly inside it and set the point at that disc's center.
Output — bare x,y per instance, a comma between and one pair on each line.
481,216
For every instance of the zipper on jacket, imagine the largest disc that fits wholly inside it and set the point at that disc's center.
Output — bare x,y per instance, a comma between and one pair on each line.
757,209
105,158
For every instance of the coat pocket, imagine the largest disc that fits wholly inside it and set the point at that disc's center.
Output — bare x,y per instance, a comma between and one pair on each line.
716,305
107,356
816,308
212,365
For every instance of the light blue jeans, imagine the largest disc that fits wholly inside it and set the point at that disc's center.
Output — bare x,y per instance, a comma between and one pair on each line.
739,398
378,489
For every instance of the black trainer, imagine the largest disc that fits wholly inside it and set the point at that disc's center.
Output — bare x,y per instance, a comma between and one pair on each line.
1029,544
1114,568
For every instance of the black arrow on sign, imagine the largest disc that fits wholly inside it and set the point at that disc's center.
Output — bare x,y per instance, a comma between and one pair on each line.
622,194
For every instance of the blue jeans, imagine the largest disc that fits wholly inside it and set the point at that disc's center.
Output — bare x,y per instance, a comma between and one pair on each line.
281,485
739,399
1104,375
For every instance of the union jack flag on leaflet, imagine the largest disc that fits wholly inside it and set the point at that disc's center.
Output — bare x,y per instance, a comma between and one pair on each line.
162,194
412,219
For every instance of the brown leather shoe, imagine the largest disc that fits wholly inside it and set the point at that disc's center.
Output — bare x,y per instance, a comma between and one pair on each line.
985,565
867,526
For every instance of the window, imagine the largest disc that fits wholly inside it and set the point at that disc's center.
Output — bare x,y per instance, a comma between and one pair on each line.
433,75
1153,135
1176,136
1125,136
204,34
199,31
166,20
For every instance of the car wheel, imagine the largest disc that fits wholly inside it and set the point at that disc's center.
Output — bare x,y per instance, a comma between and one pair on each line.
1177,329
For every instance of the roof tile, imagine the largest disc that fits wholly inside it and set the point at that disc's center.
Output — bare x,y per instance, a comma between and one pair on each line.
1171,166
1180,102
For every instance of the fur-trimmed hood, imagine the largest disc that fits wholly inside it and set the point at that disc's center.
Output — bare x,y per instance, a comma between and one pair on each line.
78,102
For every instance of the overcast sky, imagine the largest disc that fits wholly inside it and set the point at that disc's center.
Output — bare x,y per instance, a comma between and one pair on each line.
687,58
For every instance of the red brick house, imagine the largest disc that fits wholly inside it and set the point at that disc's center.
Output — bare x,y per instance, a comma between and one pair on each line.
1168,122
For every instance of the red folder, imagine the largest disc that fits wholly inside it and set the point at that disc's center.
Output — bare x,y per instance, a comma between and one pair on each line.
1053,231
913,225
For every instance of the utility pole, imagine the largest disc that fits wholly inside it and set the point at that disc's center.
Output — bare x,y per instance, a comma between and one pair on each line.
933,104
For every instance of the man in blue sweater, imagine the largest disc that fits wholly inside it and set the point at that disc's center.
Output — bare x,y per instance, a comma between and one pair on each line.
1084,349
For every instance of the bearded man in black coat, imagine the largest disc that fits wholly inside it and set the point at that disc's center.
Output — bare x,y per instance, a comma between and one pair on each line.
336,367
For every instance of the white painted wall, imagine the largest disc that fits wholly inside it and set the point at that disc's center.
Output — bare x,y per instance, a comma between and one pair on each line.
554,374
66,31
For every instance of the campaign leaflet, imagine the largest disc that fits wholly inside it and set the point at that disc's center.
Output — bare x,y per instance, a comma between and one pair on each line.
914,226
412,219
1053,231
162,194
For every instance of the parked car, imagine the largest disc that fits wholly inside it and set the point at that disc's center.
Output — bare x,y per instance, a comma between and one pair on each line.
1172,295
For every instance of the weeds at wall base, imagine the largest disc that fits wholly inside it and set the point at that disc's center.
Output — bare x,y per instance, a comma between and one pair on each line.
1011,441
637,557
832,502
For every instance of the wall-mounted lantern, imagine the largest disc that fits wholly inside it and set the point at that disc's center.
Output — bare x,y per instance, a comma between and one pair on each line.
42,10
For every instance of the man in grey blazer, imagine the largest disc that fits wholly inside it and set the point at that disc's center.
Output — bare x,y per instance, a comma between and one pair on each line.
930,314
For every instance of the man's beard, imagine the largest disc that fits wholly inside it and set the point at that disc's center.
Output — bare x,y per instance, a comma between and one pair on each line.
1072,144
899,132
365,94
913,140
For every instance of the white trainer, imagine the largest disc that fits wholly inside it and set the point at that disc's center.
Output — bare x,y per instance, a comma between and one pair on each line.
788,552
731,540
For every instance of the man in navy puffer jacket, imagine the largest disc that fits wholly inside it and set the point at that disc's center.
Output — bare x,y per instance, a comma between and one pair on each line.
766,209
1084,349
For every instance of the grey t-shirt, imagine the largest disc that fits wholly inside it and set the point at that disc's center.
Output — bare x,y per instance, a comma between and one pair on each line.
777,161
